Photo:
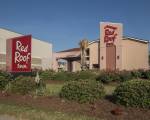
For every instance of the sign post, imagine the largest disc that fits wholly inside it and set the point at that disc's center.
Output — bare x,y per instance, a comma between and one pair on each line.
18,56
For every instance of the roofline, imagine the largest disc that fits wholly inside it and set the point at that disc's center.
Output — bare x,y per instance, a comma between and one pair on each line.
68,49
110,22
24,34
135,39
94,41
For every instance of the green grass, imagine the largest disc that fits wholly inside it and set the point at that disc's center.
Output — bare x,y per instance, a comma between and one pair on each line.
109,88
53,89
28,113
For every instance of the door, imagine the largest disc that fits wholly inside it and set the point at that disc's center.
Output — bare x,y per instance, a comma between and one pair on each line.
110,57
70,67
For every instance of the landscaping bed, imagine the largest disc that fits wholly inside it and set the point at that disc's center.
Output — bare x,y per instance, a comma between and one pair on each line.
90,95
13,112
100,109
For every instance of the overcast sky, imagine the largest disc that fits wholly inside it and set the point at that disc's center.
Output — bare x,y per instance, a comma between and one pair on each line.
65,22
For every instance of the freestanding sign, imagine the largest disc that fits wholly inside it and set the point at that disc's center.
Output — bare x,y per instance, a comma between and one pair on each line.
18,56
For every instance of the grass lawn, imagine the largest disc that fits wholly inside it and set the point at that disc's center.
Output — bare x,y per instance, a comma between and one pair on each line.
53,89
109,88
14,112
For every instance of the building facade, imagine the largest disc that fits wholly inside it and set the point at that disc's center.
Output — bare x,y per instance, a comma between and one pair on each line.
111,52
67,60
41,52
122,53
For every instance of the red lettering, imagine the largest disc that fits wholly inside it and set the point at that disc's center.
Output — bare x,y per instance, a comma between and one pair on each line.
110,34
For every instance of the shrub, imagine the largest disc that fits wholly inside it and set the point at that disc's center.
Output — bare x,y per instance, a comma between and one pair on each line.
25,85
135,93
125,75
25,74
136,74
80,75
145,74
84,75
47,75
64,76
107,77
3,82
6,75
82,91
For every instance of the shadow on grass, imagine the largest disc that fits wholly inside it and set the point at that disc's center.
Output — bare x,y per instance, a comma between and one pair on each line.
110,98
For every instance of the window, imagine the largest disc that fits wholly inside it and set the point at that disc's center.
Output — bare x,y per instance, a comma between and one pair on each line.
87,52
87,58
96,66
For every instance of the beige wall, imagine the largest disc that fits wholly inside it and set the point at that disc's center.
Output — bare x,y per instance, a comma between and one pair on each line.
62,55
76,66
93,53
134,55
40,50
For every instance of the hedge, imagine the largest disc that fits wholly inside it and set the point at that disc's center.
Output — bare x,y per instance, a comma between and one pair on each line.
25,85
135,93
3,82
82,91
47,75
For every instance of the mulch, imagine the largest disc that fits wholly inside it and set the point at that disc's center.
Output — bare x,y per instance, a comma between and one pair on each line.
103,109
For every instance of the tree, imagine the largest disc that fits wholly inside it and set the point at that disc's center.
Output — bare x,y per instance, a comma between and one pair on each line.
83,45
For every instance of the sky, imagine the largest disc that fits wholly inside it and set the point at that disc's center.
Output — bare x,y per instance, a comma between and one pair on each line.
65,22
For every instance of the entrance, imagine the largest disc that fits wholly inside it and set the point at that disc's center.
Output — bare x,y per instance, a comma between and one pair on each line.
110,57
70,66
